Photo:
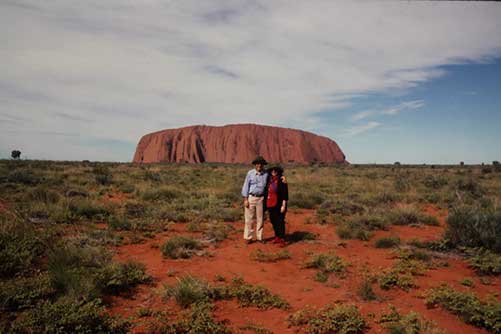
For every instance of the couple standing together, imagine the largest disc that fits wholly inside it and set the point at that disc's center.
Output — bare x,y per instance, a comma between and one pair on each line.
265,190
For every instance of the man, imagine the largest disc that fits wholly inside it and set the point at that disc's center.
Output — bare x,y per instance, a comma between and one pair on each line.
253,191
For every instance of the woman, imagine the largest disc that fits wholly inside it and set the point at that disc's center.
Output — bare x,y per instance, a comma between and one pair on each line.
277,195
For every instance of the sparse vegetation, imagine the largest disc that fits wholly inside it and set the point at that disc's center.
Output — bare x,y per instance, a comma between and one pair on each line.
467,306
57,219
180,247
261,256
331,319
387,242
411,323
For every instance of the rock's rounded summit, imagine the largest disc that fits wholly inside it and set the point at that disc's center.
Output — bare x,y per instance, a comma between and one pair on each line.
238,143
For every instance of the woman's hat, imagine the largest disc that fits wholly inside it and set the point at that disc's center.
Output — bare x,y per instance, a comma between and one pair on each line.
259,160
276,167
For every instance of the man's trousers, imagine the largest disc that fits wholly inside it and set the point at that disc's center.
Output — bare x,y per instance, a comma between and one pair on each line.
254,213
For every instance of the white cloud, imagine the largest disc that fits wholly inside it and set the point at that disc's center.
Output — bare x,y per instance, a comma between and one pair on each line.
363,115
118,69
409,105
359,129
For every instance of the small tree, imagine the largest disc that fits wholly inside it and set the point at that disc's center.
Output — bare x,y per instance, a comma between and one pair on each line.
16,154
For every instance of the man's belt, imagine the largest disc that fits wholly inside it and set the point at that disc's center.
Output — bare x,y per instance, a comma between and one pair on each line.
255,195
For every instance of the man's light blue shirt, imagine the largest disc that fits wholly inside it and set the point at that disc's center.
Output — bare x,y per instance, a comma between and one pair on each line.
254,183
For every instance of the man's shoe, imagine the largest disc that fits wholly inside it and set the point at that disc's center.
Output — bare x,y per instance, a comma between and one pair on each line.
261,241
248,241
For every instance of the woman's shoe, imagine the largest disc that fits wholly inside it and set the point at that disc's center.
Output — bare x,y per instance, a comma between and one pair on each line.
281,242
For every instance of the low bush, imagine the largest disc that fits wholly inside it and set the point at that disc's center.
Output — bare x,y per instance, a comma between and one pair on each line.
342,207
306,200
256,295
365,290
118,277
68,316
410,216
261,256
484,262
474,227
468,307
189,290
411,323
180,247
24,292
161,194
435,181
327,263
85,272
20,246
387,242
392,278
198,319
87,209
331,319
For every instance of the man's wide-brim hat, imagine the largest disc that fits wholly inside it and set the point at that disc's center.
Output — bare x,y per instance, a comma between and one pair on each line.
277,167
259,160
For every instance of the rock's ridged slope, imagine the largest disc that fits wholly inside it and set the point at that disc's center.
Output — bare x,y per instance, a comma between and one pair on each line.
238,143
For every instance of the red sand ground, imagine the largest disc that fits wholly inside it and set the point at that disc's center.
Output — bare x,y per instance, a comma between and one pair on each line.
296,285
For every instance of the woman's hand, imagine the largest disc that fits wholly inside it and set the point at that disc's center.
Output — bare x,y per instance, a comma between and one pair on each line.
282,209
284,180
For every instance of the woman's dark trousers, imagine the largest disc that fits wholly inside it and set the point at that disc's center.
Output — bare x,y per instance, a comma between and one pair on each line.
278,221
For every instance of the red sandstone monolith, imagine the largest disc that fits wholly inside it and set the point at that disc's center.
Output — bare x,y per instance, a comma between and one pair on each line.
238,143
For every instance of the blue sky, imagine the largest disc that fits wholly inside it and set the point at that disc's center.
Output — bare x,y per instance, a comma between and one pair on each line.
388,81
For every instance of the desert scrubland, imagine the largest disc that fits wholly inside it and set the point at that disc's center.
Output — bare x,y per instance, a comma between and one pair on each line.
111,248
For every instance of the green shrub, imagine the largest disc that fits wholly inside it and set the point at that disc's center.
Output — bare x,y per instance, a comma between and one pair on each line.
342,207
121,277
410,216
44,195
198,319
24,292
470,187
161,194
474,227
217,232
135,210
393,278
87,209
189,290
261,256
411,323
327,263
25,177
485,262
102,175
467,306
20,246
180,247
68,316
435,181
88,272
387,242
306,200
331,319
365,290
256,295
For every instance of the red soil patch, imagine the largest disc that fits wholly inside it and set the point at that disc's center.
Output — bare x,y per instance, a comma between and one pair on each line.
286,278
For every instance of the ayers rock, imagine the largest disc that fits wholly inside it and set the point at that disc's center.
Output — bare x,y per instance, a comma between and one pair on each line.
239,143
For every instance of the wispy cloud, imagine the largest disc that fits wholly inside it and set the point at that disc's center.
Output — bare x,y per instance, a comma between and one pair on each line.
280,63
359,129
363,114
410,105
